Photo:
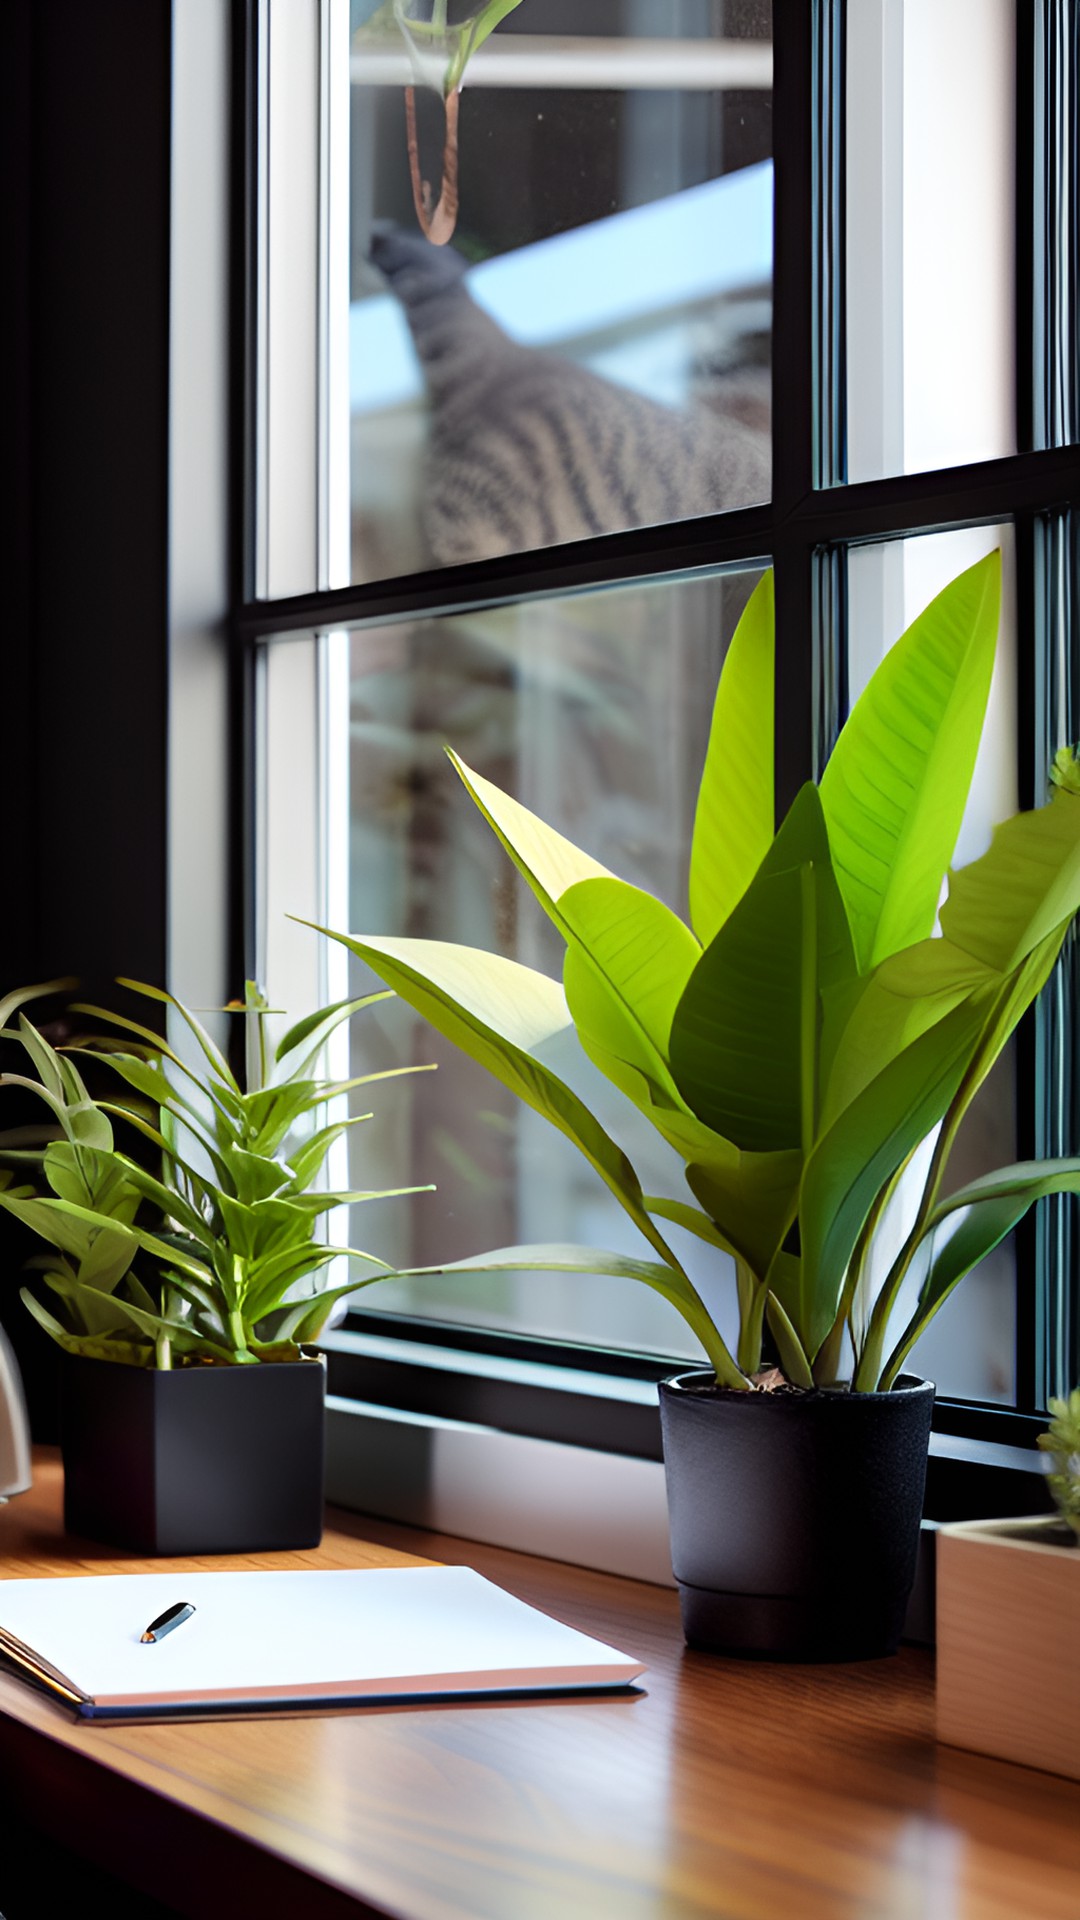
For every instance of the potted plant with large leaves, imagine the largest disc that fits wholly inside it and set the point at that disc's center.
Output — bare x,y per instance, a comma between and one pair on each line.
796,1041
185,1297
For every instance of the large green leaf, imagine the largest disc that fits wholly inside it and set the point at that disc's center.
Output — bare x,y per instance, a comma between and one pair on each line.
1023,887
503,1015
95,1309
555,868
744,1039
627,964
559,1258
737,1036
995,1204
793,1361
69,1228
692,1220
803,840
546,859
265,1227
733,824
1007,1007
81,1121
150,1081
106,1261
1005,918
270,1280
172,1201
862,1150
274,1279
92,1346
472,36
255,1176
91,1179
895,787
181,1334
889,1009
751,1198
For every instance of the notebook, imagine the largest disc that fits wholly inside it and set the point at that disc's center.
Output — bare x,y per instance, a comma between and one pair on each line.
258,1641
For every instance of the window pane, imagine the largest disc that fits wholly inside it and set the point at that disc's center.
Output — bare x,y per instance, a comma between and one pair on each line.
930,233
594,711
969,1349
604,361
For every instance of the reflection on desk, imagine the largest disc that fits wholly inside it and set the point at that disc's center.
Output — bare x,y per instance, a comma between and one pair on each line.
728,1788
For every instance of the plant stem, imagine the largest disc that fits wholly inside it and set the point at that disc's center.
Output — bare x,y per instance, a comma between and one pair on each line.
978,1068
808,1010
752,1297
826,1367
437,222
868,1372
163,1353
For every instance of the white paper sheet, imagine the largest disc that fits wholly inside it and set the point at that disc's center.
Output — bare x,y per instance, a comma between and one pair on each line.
295,1632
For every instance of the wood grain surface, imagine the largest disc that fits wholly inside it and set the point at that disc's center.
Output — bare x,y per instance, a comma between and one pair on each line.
728,1788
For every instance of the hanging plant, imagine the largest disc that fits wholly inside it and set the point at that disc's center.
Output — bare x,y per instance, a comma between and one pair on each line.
439,52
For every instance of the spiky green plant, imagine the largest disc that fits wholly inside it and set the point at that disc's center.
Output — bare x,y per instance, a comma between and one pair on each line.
1062,1442
213,1257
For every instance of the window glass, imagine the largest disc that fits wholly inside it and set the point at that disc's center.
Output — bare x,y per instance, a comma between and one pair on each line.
587,346
969,1349
594,711
930,233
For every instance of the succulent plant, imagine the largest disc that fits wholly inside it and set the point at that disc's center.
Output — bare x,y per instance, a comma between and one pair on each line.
213,1256
1062,1442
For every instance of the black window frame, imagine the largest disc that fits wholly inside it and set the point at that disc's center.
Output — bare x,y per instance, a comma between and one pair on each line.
814,517
68,915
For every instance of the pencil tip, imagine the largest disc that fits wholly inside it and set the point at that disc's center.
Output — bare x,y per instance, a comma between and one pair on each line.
144,1637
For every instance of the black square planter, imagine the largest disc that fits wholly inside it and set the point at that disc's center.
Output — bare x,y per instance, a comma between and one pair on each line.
196,1460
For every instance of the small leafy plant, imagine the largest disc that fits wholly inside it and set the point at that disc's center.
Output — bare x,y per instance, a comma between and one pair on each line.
1062,1442
213,1257
806,1030
427,26
437,43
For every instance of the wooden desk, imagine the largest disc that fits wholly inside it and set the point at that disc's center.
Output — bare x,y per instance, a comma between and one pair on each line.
748,1791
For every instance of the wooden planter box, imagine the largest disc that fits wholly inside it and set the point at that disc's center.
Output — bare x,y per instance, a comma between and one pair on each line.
1008,1641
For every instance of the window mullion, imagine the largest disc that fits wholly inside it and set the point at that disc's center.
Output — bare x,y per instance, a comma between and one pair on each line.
1055,141
795,407
1056,1076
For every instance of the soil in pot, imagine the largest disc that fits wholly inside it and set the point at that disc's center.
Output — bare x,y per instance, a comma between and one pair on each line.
794,1516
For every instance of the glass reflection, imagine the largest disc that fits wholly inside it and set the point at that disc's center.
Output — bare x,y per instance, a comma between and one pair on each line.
587,347
594,711
929,209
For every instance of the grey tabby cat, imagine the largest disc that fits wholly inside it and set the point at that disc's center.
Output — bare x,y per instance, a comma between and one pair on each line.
527,449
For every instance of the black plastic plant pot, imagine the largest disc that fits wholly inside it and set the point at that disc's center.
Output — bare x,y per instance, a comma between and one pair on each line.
794,1516
200,1459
